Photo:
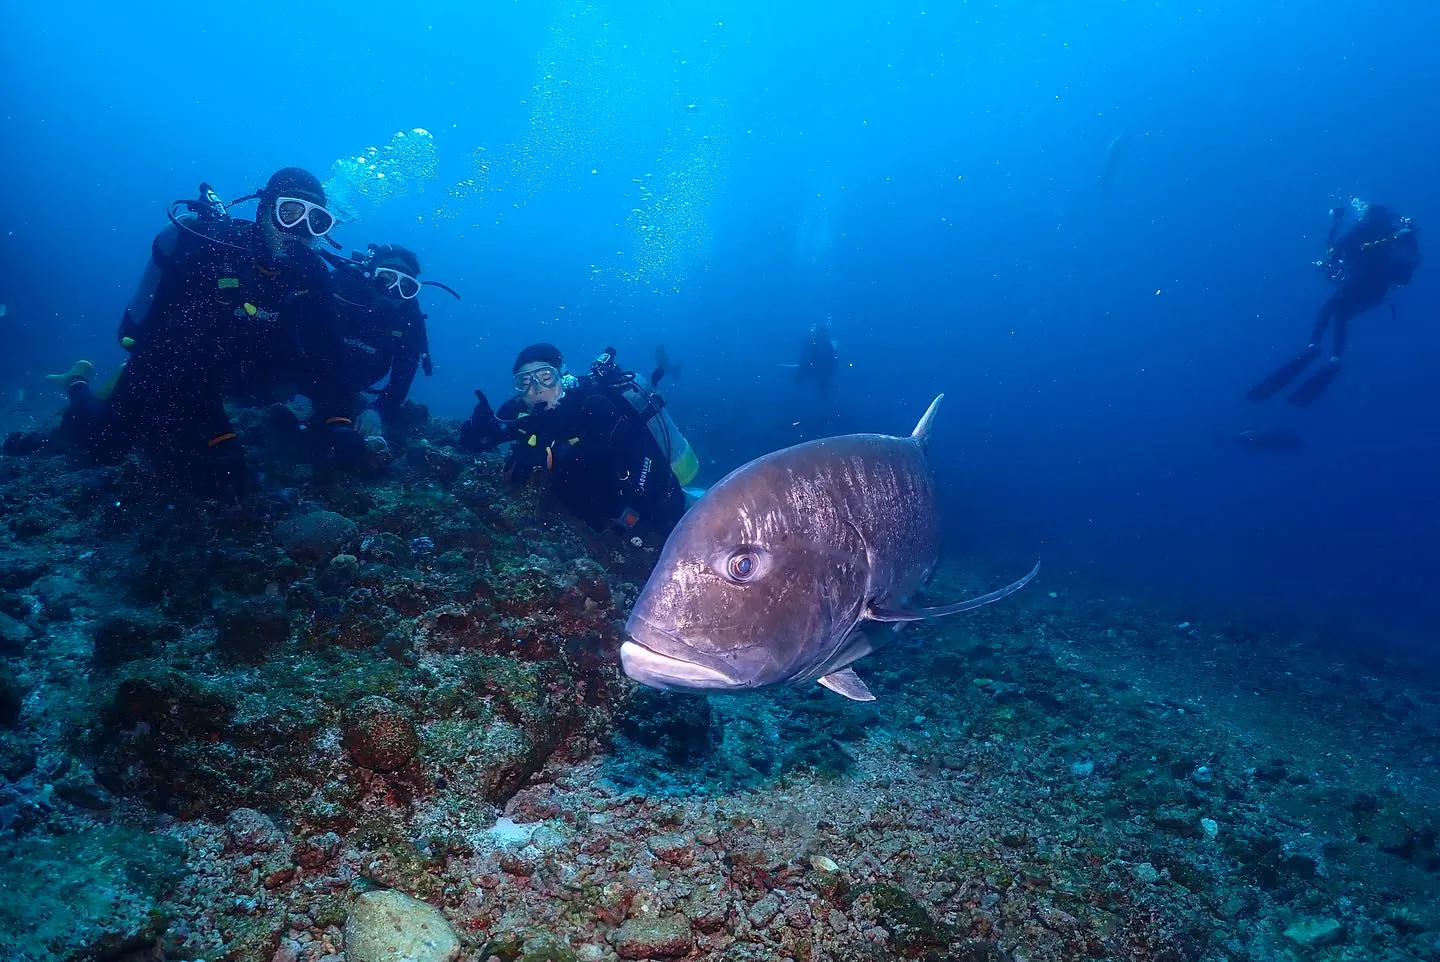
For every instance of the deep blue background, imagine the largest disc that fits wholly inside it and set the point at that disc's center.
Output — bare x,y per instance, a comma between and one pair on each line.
927,174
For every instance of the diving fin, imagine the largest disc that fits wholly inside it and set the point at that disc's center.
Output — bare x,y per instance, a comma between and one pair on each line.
1310,390
1282,376
846,682
81,370
920,614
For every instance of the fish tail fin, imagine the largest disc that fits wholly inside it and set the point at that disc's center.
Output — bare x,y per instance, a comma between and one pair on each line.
921,434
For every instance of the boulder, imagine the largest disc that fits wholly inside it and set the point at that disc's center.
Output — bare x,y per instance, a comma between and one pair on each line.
389,926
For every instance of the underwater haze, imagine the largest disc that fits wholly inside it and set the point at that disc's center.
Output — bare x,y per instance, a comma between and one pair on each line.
1091,226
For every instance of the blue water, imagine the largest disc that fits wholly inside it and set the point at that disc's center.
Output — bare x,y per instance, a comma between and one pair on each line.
927,175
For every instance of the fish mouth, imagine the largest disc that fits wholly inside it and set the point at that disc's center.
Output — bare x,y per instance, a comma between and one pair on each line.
645,664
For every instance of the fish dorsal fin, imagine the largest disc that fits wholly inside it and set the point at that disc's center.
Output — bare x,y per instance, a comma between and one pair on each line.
920,614
921,434
846,682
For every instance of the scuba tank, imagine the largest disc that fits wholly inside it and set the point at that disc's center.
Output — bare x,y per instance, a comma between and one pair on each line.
650,408
188,219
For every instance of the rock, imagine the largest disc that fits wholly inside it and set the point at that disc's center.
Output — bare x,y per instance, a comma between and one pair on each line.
58,597
389,926
681,730
289,951
1316,933
1178,821
340,573
707,910
89,894
663,938
249,630
251,831
1404,920
11,697
14,605
379,734
385,548
316,850
313,537
1397,827
912,929
763,911
13,635
163,735
674,849
240,572
122,638
21,576
17,756
78,787
1145,873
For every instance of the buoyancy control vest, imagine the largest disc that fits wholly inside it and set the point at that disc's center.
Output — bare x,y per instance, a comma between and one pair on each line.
204,220
649,407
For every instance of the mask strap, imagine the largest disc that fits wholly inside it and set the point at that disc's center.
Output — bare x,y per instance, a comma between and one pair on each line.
444,287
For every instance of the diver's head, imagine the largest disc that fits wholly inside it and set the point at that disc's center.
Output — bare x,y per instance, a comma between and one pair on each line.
395,271
292,210
539,376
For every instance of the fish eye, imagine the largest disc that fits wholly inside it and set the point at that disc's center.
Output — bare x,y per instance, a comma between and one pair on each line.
742,566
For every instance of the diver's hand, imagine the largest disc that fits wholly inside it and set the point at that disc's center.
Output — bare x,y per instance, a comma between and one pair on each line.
484,430
483,411
370,423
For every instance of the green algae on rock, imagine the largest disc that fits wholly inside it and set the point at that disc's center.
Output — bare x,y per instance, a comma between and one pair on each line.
86,895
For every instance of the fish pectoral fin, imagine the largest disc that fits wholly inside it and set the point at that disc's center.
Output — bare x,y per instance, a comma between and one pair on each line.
920,614
846,682
921,434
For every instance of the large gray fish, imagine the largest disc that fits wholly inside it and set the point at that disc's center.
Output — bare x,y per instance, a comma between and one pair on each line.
768,579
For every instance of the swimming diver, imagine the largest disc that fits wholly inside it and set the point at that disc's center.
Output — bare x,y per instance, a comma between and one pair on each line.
818,358
1378,252
1269,440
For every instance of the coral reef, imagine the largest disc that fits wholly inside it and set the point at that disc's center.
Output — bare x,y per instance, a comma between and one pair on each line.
383,716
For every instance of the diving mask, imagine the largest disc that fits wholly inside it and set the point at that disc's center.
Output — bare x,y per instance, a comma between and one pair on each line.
546,377
398,282
291,212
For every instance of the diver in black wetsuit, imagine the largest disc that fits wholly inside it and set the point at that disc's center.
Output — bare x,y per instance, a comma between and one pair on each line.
383,328
227,307
1378,252
598,438
818,358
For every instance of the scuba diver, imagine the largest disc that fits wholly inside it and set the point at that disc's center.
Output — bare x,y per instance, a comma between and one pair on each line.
613,455
383,327
226,307
1378,252
663,367
1269,440
818,358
